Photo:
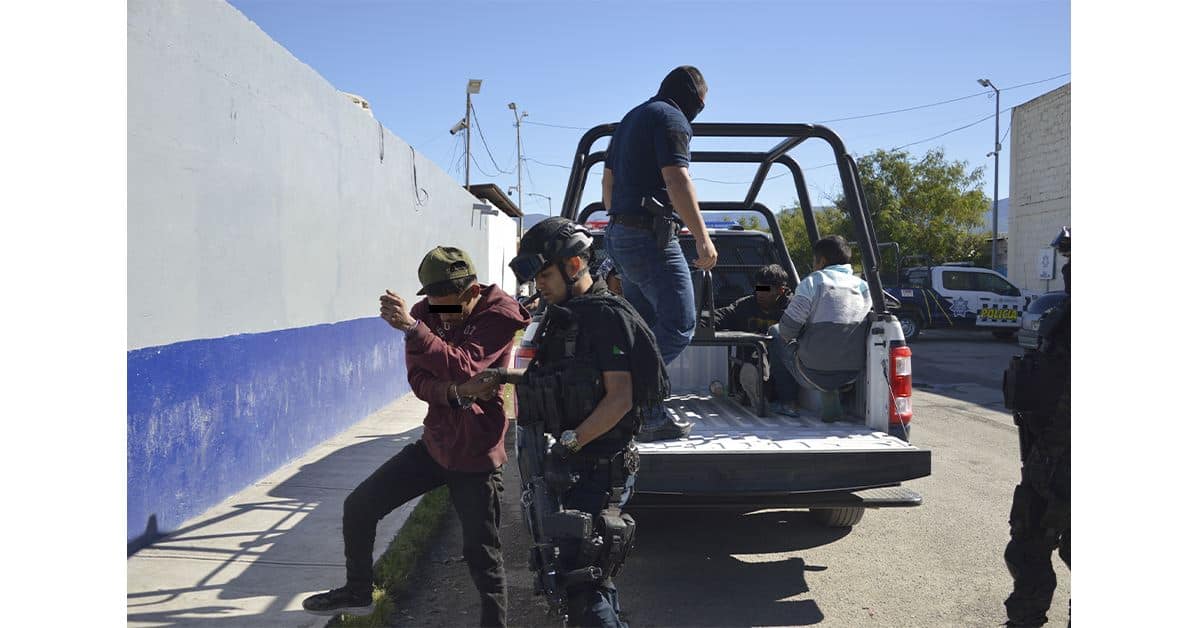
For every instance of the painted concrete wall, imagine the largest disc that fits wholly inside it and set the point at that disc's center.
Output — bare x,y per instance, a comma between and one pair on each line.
1040,185
266,214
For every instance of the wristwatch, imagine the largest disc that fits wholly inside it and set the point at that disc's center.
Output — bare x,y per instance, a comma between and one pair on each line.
570,441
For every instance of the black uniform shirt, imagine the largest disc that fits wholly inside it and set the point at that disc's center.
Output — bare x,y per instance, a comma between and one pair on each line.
605,339
652,136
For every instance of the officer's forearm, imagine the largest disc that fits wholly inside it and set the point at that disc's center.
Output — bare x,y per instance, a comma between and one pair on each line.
683,200
511,376
608,413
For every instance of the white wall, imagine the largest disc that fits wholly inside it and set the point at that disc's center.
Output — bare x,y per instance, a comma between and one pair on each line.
1040,185
258,199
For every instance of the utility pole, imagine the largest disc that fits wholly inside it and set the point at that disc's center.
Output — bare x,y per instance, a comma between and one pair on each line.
520,194
996,176
473,86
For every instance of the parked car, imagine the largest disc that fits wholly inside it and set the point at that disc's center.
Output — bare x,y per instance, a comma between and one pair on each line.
958,296
1031,318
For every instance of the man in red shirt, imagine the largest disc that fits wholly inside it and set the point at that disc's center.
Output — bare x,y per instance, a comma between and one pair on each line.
451,336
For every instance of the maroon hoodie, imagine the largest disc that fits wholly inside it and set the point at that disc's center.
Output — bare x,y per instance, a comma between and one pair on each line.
472,438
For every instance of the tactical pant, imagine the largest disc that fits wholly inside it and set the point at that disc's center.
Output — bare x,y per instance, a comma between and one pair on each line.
476,497
1034,537
597,604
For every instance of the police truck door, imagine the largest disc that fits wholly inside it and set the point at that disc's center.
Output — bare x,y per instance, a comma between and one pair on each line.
981,294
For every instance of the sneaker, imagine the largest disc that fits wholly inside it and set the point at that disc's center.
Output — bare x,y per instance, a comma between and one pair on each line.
752,384
660,426
339,601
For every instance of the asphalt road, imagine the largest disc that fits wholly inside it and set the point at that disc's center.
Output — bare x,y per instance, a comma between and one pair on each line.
940,564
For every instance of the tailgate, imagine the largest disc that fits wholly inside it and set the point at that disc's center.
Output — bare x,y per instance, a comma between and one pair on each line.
733,452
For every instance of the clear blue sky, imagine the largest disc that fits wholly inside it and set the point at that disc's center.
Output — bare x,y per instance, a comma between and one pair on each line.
578,64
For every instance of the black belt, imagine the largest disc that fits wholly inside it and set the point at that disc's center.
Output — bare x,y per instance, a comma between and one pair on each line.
644,222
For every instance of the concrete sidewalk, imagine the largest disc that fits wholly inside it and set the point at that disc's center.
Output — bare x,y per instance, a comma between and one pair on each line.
251,560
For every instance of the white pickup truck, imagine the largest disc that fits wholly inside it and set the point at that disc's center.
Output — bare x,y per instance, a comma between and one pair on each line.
741,456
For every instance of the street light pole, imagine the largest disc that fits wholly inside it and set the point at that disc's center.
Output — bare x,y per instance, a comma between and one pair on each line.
996,175
520,194
549,202
473,86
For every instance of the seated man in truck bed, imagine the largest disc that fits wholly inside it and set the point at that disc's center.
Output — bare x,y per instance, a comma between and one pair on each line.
756,313
821,337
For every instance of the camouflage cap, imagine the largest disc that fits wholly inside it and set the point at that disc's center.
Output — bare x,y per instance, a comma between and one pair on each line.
444,263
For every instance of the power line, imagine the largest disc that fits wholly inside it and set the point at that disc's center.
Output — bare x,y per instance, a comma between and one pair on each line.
868,115
887,113
942,102
479,128
528,158
556,126
529,175
940,135
482,170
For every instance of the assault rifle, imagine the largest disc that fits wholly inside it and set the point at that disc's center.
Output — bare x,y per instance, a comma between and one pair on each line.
552,527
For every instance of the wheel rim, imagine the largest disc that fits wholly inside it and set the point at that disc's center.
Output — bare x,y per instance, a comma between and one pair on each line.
908,326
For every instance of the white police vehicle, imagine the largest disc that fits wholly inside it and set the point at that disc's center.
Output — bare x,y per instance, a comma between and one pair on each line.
958,296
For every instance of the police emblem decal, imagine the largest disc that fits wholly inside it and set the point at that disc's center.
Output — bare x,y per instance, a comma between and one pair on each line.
958,307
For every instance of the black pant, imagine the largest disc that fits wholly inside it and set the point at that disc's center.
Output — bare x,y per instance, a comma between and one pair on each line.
1044,485
476,497
596,604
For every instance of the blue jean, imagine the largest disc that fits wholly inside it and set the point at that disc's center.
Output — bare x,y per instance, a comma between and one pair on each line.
658,283
827,382
784,371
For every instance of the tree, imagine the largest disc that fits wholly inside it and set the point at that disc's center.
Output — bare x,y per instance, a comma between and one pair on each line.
929,205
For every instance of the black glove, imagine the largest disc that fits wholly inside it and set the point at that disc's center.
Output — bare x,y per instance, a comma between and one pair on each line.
557,472
560,451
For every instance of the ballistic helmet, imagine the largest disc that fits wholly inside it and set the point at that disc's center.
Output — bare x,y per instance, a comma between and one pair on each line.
551,240
1062,242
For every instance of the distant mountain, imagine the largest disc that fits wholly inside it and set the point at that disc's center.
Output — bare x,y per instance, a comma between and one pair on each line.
1002,221
533,219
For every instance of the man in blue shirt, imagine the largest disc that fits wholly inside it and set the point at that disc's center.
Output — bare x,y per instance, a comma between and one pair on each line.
647,163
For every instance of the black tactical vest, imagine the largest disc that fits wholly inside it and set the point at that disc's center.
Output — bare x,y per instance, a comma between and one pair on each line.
563,385
1037,386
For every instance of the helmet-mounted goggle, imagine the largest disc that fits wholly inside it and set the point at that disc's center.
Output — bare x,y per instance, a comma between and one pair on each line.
527,266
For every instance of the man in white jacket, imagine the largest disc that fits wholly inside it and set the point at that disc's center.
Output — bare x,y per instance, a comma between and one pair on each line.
821,337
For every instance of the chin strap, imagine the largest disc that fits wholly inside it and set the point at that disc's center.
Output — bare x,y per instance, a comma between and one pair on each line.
569,280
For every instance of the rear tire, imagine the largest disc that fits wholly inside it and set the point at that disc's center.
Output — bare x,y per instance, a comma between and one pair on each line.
838,517
910,325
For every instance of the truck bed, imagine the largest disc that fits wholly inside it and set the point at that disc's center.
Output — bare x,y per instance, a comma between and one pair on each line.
736,456
722,424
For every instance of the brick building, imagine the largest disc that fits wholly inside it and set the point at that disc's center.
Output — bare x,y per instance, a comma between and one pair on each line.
1039,187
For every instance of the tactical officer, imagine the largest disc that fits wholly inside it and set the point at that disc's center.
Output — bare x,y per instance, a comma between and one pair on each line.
646,183
595,372
1037,387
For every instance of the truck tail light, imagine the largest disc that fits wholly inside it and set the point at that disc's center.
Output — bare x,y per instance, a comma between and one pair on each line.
900,376
524,356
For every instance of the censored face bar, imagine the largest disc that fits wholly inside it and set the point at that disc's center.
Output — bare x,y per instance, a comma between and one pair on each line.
762,288
446,309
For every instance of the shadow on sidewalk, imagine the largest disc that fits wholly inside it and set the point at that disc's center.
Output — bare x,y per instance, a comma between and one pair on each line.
266,552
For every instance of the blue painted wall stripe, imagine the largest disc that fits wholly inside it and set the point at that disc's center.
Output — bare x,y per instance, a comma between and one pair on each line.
206,418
